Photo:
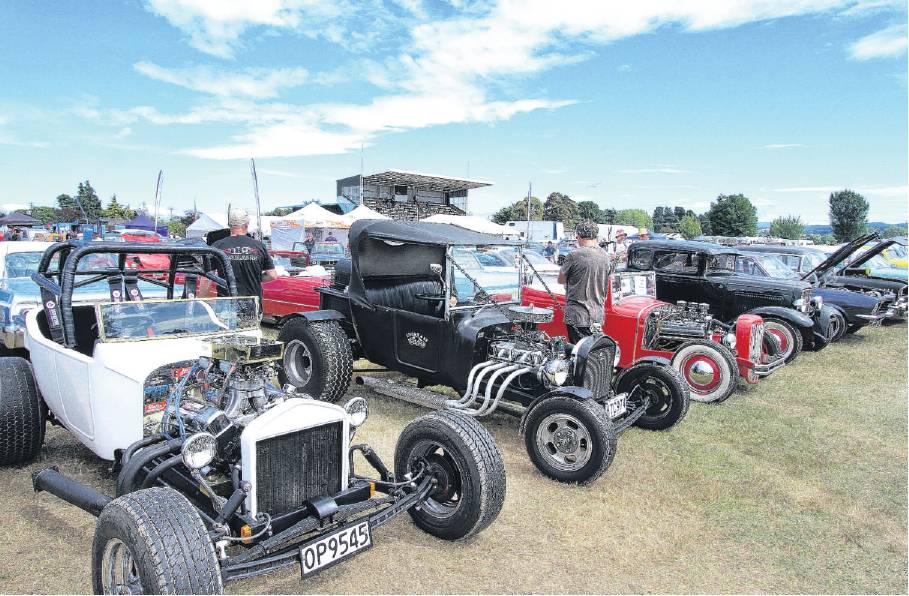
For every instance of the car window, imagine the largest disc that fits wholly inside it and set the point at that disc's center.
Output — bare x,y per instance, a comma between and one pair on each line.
721,263
488,259
791,261
809,262
676,262
641,259
22,264
747,265
774,267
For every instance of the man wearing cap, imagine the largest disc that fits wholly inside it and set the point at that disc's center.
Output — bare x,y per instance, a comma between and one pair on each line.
585,275
643,235
248,257
619,250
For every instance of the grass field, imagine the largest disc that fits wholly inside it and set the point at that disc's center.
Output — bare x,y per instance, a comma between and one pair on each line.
796,485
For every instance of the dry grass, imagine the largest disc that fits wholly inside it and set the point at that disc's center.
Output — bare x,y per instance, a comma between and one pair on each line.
797,485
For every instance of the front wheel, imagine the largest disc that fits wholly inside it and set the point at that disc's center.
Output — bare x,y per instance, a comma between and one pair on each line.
318,360
153,541
790,338
663,386
837,327
468,473
708,368
569,440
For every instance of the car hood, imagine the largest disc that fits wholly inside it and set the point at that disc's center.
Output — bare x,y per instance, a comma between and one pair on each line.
853,301
841,255
761,282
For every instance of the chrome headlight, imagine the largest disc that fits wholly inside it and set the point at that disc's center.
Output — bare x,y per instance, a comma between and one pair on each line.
555,372
818,302
729,341
198,450
357,411
800,304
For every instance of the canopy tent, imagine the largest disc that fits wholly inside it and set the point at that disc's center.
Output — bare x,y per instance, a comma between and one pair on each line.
19,219
144,222
469,222
362,212
318,217
206,223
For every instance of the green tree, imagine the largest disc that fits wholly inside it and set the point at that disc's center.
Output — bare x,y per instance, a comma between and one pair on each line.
848,215
68,206
670,222
560,207
47,215
891,231
609,215
91,204
690,227
732,215
590,210
633,217
518,211
704,220
116,210
279,212
789,227
175,227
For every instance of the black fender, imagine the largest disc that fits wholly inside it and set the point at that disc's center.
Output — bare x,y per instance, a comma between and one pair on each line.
790,315
582,352
655,360
315,315
572,391
821,328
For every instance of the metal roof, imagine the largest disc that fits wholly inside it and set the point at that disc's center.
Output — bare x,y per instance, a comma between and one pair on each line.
422,181
419,232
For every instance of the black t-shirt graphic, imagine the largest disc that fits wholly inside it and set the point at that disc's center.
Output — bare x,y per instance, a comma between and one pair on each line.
249,259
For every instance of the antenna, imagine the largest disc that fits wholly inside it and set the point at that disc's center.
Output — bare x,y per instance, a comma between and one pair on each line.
529,190
255,179
361,173
159,189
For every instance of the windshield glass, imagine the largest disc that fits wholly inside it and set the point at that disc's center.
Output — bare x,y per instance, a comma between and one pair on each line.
500,286
331,248
22,264
775,267
161,319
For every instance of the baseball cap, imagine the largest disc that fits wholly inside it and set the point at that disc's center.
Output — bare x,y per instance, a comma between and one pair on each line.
237,217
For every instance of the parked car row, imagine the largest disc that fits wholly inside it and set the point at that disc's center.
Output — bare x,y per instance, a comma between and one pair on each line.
234,453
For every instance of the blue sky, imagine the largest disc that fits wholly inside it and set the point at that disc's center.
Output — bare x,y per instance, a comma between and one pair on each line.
660,103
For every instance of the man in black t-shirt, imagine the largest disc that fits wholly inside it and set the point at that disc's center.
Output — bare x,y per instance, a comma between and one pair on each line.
248,257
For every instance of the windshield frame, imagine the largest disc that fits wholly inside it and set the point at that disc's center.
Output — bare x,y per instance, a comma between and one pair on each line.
251,325
451,271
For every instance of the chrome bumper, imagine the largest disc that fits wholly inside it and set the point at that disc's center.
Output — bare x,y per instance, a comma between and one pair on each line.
762,370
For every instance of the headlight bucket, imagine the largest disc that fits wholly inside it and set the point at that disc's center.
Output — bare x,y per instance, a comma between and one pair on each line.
199,450
555,372
357,411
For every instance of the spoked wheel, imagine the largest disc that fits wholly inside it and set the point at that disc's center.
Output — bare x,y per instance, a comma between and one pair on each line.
118,570
467,471
790,339
569,440
837,327
665,389
709,369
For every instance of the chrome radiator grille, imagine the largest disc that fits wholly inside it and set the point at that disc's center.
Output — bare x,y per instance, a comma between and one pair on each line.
297,466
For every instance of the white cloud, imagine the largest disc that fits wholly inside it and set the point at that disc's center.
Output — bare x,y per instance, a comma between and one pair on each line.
658,169
784,146
876,190
886,43
9,207
252,82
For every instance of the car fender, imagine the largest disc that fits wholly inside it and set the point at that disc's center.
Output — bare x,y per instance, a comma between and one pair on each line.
582,352
655,360
315,315
572,391
799,319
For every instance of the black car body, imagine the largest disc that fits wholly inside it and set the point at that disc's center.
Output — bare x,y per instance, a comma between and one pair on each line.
409,300
703,272
857,309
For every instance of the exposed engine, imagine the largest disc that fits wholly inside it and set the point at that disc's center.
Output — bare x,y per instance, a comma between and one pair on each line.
219,394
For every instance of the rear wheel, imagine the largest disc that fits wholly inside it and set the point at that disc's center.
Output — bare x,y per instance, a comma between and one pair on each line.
708,368
468,473
570,440
153,541
22,413
663,386
790,339
318,360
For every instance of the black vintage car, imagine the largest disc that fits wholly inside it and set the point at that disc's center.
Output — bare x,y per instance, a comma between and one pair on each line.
414,300
702,272
851,310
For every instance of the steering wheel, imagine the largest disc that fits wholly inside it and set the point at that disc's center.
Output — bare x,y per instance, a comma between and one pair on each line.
135,325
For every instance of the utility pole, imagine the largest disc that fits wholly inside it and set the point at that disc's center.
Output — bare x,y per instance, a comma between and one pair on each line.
256,190
529,190
361,173
159,189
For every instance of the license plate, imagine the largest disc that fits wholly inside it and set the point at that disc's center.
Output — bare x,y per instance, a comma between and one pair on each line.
339,545
616,406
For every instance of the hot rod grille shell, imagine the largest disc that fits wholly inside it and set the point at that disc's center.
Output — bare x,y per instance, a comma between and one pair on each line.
297,466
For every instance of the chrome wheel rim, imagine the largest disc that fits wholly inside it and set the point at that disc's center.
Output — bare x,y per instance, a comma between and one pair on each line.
298,363
118,569
701,372
564,442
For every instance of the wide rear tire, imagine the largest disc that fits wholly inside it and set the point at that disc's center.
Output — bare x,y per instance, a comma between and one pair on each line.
708,368
318,360
790,337
569,440
153,541
470,475
22,413
666,389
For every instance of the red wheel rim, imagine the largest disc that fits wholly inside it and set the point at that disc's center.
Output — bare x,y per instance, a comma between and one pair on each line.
701,381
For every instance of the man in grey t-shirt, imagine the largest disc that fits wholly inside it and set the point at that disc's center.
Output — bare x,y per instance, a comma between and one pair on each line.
585,276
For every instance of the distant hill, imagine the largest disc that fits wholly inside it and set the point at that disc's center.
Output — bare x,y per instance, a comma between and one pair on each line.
826,229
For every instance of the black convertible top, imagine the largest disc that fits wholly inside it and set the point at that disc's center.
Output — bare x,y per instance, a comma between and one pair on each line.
419,232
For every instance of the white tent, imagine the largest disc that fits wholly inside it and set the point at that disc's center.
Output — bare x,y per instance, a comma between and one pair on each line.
206,223
362,212
316,216
470,222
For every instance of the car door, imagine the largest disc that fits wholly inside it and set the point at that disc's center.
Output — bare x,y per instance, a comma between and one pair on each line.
678,276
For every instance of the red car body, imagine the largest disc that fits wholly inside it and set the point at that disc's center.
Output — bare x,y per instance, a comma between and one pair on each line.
288,295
